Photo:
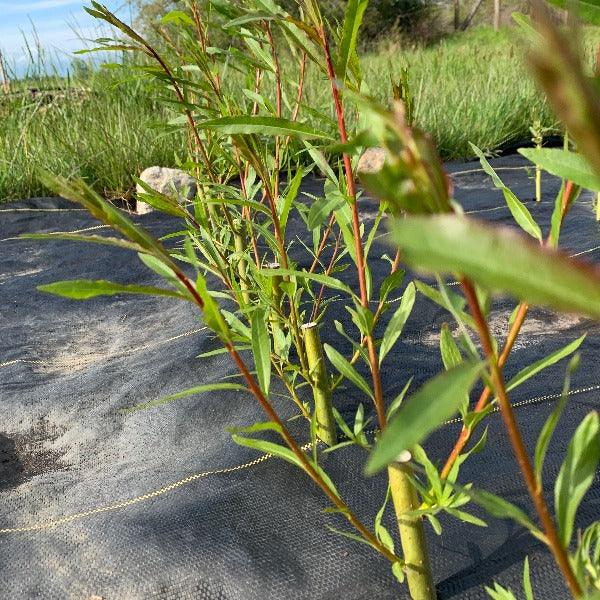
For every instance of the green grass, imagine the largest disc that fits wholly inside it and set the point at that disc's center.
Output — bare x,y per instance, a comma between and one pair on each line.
106,135
471,87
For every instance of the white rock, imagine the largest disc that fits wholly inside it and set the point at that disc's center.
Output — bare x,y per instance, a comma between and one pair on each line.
371,161
170,182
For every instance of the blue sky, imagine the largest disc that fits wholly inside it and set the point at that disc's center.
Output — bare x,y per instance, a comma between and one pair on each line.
56,23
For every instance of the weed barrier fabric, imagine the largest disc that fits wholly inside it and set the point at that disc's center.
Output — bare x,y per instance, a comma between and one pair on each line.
162,504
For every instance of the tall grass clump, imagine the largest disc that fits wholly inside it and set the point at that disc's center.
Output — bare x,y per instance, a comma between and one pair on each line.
470,87
99,128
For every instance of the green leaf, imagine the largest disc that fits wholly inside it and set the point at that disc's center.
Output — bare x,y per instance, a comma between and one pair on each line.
321,162
350,536
347,370
451,356
461,515
78,191
177,17
199,389
500,508
398,320
562,163
455,303
397,402
383,535
500,593
398,571
287,201
499,259
576,474
543,363
92,239
83,289
261,125
527,589
321,208
261,349
423,412
390,283
268,448
211,312
556,61
518,210
330,282
586,10
352,19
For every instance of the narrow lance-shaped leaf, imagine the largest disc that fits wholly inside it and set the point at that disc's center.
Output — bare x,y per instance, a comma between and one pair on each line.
500,508
499,259
398,320
451,356
83,289
268,448
78,191
261,349
325,280
545,436
90,239
517,209
576,474
198,389
565,164
347,370
543,363
575,98
261,125
353,16
424,412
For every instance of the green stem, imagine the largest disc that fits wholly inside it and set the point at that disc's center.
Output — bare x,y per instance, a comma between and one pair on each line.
275,312
320,384
414,545
239,241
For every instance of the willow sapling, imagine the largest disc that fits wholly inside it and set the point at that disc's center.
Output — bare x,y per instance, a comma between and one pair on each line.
253,141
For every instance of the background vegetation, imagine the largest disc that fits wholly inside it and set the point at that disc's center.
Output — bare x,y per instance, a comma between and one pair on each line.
468,87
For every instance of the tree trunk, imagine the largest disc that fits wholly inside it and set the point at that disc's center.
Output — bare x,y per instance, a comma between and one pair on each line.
456,15
496,15
471,14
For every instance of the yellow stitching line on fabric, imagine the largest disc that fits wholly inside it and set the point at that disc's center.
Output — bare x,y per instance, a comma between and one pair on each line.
191,478
110,356
138,499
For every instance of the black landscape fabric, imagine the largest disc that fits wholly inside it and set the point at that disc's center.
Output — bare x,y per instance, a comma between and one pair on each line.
161,504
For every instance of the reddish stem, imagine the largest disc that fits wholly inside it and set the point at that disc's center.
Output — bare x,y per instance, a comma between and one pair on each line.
465,434
358,247
516,440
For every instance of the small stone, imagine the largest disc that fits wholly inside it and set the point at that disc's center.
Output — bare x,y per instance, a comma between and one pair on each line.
371,161
167,181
